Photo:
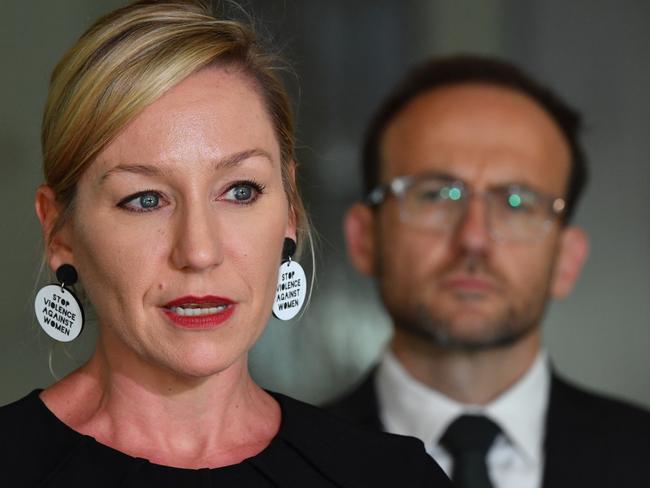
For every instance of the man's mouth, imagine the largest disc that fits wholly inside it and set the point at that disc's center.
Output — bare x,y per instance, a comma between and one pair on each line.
469,283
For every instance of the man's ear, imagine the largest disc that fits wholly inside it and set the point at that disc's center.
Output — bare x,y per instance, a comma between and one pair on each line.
572,254
358,228
58,249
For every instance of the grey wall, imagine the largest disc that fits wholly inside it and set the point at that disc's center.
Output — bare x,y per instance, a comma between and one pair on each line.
347,55
33,36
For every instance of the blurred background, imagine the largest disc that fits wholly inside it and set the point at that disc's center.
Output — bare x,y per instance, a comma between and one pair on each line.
346,55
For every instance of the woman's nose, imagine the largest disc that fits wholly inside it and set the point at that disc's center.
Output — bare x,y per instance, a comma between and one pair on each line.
197,243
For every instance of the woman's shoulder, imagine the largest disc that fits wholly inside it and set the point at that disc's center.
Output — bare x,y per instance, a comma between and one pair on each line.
21,416
20,424
33,441
355,456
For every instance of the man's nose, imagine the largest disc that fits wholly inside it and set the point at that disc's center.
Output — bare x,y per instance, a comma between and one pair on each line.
197,240
472,232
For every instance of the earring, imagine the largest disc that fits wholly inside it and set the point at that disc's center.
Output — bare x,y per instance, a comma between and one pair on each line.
58,310
292,284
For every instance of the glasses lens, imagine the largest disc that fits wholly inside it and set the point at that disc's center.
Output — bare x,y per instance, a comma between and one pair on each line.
518,214
432,203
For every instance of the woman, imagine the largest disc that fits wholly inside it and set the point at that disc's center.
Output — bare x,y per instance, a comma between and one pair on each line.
170,188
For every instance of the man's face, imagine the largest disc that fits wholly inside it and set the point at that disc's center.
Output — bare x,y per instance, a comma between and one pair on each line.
461,288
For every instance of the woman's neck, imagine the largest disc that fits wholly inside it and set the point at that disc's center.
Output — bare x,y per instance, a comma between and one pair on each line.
167,419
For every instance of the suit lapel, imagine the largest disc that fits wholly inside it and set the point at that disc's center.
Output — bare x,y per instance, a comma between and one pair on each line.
573,452
361,406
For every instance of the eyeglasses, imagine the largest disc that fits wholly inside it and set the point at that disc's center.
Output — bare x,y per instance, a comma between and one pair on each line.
439,203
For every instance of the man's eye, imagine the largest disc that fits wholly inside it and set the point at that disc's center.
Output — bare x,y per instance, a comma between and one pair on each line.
520,203
244,192
429,195
145,201
439,194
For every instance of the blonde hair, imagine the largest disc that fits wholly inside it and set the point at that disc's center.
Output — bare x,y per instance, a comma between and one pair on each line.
131,57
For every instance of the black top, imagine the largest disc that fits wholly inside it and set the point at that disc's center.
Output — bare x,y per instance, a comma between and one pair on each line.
312,449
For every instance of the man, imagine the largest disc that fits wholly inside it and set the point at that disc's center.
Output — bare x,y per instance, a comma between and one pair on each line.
472,171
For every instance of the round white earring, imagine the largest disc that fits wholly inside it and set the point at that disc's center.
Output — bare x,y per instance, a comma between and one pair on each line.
291,291
58,310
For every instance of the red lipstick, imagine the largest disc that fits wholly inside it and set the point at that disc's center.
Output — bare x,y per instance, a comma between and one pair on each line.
203,312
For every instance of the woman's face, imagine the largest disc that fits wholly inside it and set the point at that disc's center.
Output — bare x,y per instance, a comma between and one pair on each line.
178,225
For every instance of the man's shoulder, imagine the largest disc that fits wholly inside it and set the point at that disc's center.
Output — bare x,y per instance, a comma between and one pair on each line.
593,439
359,404
355,455
606,414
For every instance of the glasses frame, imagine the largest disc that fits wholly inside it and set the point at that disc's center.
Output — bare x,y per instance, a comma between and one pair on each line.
399,185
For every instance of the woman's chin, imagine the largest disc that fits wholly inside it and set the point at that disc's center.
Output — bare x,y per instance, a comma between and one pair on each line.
203,363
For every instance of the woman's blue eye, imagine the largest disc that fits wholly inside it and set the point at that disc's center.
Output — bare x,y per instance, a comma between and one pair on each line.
141,202
150,200
244,192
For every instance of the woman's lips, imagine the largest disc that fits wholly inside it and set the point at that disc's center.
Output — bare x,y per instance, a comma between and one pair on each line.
203,312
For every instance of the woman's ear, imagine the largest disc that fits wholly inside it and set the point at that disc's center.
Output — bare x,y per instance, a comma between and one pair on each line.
573,252
358,228
57,239
292,224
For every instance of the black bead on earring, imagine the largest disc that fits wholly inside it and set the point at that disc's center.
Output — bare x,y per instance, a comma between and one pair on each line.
288,249
67,275
58,310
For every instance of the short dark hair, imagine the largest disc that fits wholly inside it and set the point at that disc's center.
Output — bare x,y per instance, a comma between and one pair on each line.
461,69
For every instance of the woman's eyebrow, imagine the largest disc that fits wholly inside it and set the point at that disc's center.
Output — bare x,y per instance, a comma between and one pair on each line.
236,158
138,169
226,162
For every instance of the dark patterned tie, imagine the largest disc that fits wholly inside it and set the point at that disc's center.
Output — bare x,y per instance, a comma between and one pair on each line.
468,440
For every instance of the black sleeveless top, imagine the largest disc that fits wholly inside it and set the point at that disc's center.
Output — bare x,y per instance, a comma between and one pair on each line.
311,450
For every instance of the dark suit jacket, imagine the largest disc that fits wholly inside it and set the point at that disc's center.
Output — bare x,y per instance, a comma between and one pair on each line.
590,440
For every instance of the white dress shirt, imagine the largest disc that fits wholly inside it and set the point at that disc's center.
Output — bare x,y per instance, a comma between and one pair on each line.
515,460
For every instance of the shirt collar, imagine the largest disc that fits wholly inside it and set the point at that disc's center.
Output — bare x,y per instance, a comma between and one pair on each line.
519,411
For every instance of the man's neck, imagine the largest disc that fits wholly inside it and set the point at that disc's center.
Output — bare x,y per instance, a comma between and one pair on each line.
468,377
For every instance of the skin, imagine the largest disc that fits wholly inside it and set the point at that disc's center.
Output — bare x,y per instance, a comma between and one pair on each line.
175,396
463,284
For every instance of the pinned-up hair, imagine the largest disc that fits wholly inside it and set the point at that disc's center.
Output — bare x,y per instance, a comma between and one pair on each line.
130,58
